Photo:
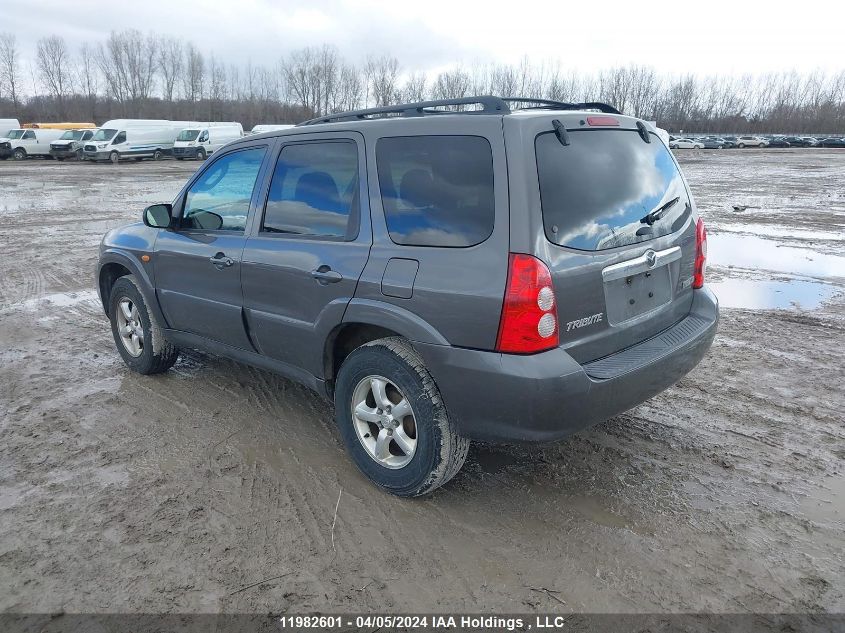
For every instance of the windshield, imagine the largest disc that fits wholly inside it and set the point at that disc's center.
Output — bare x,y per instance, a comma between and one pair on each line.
187,135
16,133
608,188
103,135
71,135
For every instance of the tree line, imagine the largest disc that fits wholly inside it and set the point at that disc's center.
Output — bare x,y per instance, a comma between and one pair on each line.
135,75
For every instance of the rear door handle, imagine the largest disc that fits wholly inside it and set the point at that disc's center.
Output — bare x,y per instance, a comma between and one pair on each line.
326,275
220,261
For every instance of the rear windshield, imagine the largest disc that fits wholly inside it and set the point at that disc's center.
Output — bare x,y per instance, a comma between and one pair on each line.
608,188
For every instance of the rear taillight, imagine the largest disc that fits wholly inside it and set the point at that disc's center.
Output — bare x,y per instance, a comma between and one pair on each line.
529,315
700,254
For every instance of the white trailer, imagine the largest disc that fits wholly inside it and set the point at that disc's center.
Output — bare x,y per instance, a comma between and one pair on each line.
134,138
30,142
206,138
258,129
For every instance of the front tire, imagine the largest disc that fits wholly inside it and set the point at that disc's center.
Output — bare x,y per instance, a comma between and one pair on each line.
20,154
114,157
158,155
201,155
137,335
393,420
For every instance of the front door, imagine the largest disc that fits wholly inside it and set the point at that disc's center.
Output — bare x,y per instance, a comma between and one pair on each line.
198,265
307,247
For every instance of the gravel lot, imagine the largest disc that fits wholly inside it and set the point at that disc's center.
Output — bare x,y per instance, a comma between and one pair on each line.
124,493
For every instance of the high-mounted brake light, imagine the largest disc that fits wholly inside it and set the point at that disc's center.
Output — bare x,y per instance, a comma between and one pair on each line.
602,120
700,254
529,315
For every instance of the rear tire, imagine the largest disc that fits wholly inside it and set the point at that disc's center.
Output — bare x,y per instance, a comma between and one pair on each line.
158,155
438,451
137,335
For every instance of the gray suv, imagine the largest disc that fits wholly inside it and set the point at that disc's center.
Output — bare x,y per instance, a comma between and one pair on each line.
443,271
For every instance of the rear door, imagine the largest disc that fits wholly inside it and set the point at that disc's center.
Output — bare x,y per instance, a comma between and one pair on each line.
612,217
198,265
307,246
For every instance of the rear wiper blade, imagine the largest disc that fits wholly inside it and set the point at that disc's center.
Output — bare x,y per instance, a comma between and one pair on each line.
655,215
560,132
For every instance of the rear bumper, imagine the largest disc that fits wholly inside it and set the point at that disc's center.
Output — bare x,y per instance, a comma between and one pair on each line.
549,396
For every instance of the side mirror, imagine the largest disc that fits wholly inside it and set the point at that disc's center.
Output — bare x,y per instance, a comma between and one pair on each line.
158,216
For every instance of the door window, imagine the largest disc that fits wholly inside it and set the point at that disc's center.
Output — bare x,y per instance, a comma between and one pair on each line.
120,138
314,191
220,197
29,134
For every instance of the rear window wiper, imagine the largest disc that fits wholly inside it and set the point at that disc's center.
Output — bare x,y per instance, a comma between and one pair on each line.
560,132
655,215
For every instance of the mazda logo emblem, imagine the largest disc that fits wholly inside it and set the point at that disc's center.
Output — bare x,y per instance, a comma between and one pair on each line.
651,258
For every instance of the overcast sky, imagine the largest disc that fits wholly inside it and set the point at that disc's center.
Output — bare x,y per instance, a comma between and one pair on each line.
707,36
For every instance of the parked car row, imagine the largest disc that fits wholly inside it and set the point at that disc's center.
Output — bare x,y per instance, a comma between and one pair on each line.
120,139
730,142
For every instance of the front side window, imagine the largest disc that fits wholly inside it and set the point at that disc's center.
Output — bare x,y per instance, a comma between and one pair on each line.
608,188
220,197
120,138
29,134
314,190
436,190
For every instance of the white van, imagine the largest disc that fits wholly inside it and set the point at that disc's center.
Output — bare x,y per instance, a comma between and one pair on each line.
134,138
200,141
69,144
7,125
31,142
258,129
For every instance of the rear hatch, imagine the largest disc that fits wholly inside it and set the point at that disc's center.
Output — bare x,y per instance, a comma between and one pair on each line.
611,216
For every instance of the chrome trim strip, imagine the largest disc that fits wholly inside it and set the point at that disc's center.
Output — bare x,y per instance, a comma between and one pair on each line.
640,264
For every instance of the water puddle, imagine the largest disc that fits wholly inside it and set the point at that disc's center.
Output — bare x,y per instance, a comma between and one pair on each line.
757,253
753,294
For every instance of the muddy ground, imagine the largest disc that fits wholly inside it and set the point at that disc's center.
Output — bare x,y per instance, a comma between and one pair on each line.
124,493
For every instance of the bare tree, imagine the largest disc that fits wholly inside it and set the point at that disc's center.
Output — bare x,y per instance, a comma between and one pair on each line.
192,80
170,65
88,79
54,67
10,67
415,88
382,74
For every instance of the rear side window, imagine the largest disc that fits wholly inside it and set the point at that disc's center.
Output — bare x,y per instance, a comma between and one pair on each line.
314,191
608,188
436,190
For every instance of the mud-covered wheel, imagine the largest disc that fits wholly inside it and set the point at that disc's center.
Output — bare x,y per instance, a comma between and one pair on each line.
201,155
114,157
158,155
19,154
80,155
138,337
393,420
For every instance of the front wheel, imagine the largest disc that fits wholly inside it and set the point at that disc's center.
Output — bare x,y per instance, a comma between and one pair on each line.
393,420
158,155
114,157
138,336
741,145
201,155
20,154
80,155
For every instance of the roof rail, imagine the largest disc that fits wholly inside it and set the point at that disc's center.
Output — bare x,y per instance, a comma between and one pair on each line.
489,105
548,104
